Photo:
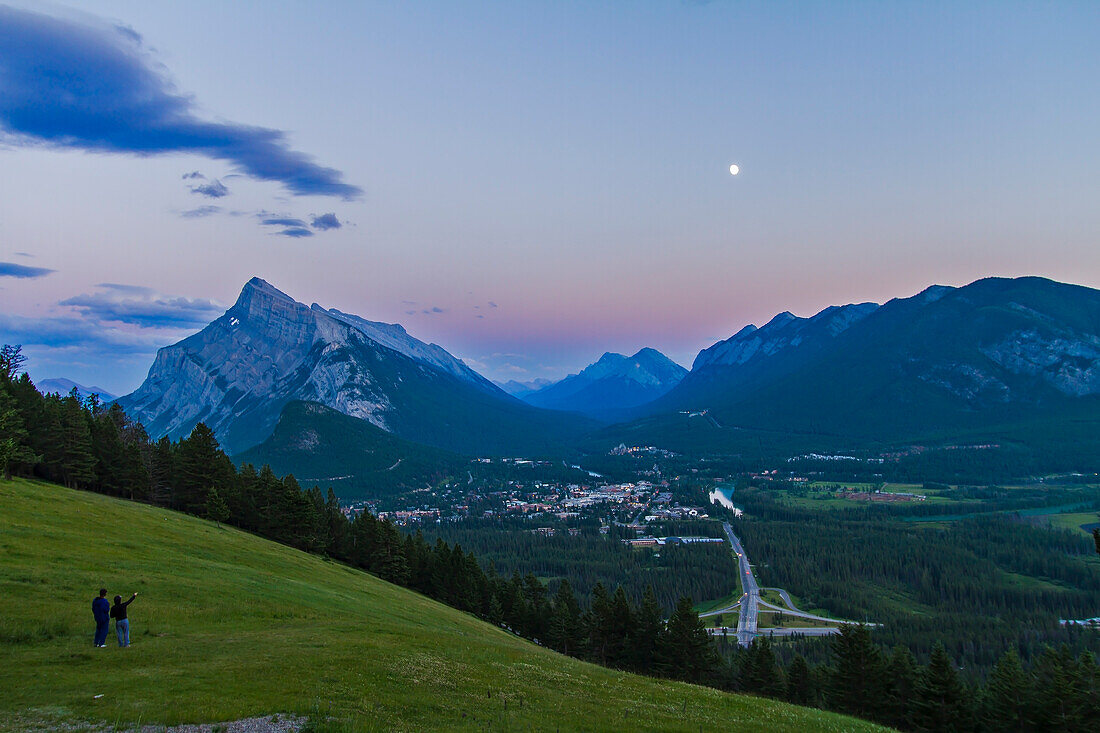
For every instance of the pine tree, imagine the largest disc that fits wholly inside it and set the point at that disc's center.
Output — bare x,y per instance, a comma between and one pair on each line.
649,628
760,673
941,699
800,682
200,466
14,449
688,653
856,686
598,624
1007,695
11,362
161,472
564,631
216,508
620,629
1058,690
74,457
900,683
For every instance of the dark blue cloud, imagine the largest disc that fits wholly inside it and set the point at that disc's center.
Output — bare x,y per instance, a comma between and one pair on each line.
282,221
94,87
325,222
143,307
214,189
10,269
130,289
296,232
193,175
200,212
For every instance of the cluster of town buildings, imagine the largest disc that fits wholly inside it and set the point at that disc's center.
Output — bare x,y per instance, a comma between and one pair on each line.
662,541
622,449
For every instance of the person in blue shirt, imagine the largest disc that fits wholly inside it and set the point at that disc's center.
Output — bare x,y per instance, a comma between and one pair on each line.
101,610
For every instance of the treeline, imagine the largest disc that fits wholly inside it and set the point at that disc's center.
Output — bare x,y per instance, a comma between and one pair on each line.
1058,691
590,558
84,445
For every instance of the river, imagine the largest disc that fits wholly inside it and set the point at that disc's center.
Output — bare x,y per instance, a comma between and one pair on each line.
723,495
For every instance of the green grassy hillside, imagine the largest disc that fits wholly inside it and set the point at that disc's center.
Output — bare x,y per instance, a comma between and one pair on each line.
228,625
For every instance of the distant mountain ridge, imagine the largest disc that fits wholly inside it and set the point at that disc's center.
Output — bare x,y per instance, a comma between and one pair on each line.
996,352
782,332
267,350
611,384
63,386
522,389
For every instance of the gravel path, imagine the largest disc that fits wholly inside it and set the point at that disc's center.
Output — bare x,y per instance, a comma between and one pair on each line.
265,724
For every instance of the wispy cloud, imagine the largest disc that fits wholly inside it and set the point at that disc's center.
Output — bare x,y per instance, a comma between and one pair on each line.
282,221
295,232
139,306
78,334
88,85
201,211
23,272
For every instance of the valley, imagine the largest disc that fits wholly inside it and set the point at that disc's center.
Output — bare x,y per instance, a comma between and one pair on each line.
596,533
549,366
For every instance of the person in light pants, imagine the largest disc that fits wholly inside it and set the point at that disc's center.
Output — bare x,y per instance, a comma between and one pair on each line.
122,624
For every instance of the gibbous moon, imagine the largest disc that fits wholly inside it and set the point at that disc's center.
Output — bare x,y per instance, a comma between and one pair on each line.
734,170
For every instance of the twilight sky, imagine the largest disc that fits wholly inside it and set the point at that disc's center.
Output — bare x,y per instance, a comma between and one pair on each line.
529,184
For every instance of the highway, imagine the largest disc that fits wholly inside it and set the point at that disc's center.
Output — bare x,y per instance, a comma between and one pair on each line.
748,606
785,631
750,599
797,613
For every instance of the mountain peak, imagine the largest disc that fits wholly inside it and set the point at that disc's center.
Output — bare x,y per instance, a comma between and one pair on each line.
258,294
238,372
613,382
780,319
258,284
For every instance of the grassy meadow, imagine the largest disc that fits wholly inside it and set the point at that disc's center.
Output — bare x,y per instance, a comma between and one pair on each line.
227,626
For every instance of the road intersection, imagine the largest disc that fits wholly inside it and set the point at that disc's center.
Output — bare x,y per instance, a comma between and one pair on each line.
748,605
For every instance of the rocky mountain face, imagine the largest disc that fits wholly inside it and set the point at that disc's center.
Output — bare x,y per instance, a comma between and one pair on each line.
785,331
612,384
238,373
948,358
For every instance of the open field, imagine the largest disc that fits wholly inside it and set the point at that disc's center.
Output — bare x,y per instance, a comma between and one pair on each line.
228,625
769,619
1075,521
771,596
